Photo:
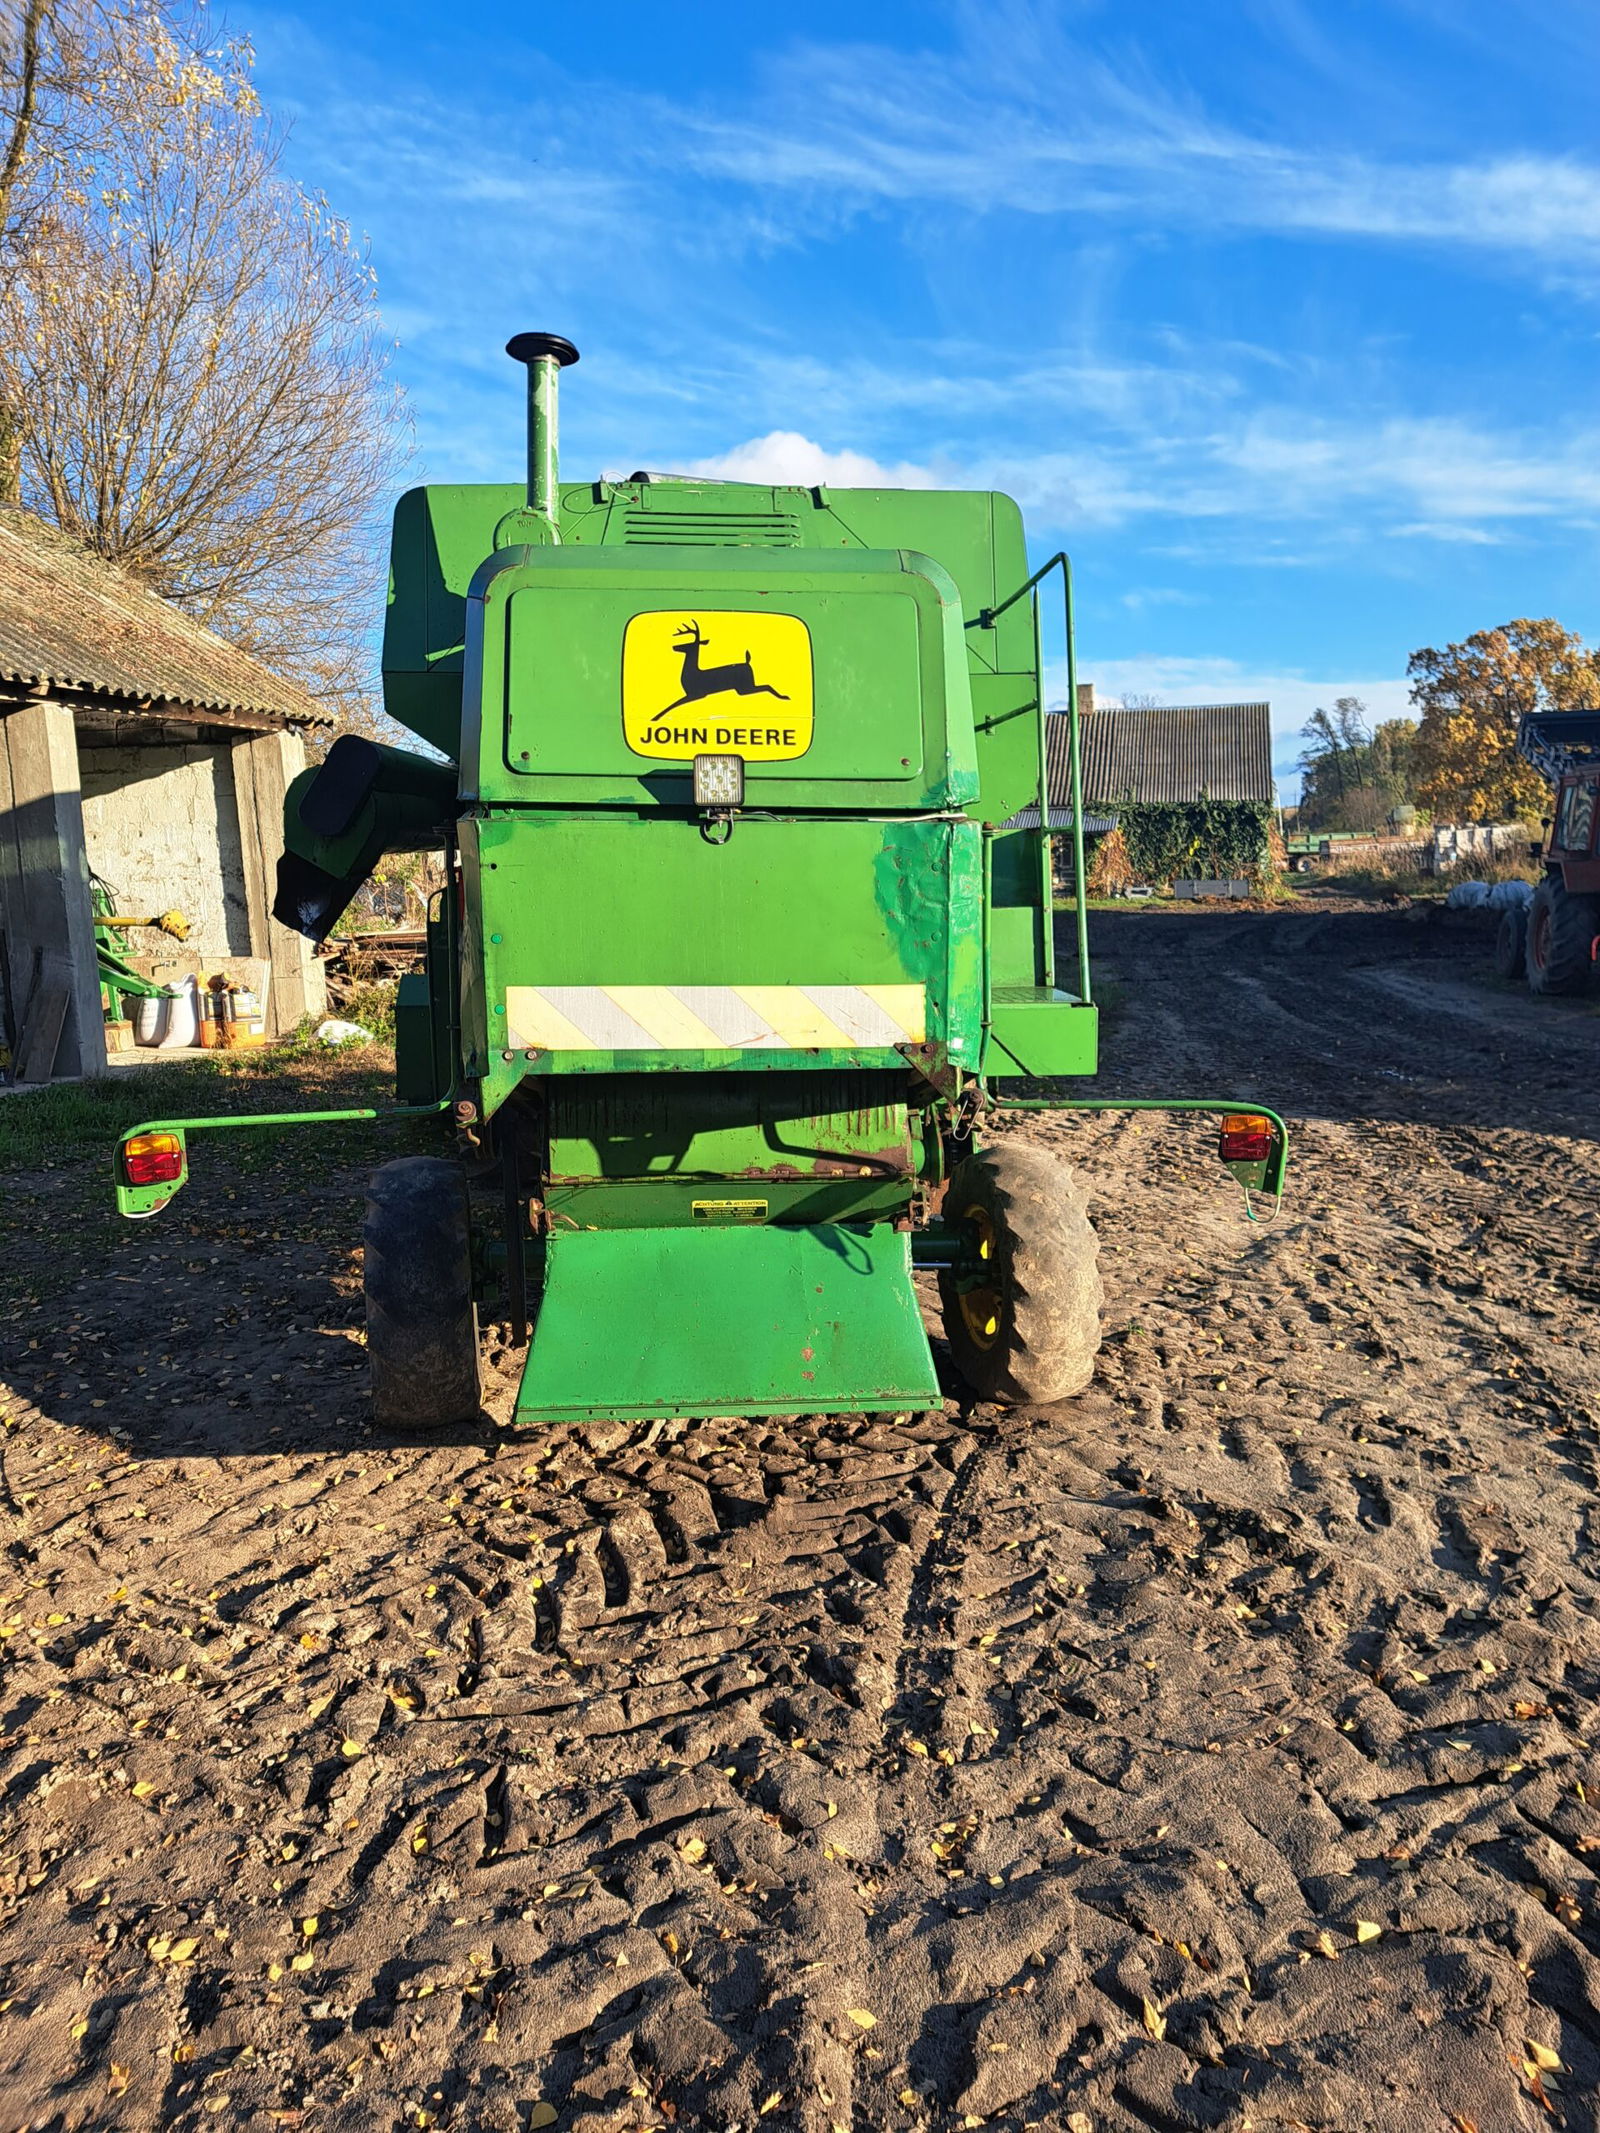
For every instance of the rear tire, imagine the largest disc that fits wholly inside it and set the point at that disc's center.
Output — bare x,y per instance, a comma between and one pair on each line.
422,1324
1029,1336
1511,943
1561,931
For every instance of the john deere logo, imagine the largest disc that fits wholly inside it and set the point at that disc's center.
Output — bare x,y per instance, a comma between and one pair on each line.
735,684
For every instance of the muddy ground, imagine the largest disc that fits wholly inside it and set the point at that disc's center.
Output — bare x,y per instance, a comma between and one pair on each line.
1213,1752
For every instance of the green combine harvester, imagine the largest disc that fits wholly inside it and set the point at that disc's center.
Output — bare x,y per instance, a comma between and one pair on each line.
741,946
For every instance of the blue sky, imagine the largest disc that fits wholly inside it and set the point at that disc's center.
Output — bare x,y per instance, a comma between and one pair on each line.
1283,317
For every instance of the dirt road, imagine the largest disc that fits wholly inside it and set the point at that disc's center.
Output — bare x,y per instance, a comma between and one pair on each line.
1213,1752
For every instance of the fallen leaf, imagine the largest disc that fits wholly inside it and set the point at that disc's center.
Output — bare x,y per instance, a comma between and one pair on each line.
143,1789
183,1951
771,2103
308,1926
694,1850
354,1747
543,2114
1328,1946
302,1961
1155,2021
1366,1930
861,2018
117,2079
1543,2057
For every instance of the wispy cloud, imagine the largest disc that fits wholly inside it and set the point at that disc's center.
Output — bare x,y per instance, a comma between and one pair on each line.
859,124
1434,530
1139,598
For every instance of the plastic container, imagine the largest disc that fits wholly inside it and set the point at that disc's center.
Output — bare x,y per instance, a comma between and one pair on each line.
168,1022
181,1024
247,1025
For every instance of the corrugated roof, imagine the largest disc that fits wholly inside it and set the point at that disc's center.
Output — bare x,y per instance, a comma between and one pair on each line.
1168,753
74,622
1060,819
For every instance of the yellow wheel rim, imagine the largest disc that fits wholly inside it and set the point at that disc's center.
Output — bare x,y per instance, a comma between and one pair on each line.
982,1307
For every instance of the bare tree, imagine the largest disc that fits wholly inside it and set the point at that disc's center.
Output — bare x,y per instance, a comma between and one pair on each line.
193,356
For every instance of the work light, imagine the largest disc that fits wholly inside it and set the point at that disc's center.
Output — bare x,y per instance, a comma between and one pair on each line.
719,781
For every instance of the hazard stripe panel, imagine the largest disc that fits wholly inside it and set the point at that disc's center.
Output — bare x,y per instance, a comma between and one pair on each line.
714,1018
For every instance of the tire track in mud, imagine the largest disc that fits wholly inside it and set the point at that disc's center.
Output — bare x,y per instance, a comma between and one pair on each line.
628,1770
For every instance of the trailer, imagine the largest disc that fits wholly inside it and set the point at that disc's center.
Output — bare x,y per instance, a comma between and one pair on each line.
737,954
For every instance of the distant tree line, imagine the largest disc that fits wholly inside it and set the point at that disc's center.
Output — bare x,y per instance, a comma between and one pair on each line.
1459,761
1353,775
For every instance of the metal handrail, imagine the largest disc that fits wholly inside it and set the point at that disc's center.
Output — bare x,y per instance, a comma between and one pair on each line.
986,619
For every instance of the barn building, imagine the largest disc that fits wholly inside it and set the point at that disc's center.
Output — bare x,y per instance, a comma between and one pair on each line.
140,747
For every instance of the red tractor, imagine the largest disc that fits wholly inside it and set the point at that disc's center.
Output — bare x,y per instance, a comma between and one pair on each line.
1553,939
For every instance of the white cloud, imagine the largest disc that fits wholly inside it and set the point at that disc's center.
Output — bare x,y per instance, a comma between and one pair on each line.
784,456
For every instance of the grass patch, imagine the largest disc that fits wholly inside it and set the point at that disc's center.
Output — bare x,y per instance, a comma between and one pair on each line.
64,1121
1111,903
372,1005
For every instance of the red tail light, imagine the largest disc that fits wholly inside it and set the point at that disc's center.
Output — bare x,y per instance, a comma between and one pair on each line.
1246,1138
153,1159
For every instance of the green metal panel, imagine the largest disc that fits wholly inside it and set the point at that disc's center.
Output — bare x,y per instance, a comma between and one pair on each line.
1035,1031
544,709
420,1073
638,1150
804,1125
726,1321
591,900
563,654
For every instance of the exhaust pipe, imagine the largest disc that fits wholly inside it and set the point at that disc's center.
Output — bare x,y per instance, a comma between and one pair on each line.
546,355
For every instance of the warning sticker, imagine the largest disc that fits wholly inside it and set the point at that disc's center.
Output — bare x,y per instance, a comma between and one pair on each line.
728,1210
717,684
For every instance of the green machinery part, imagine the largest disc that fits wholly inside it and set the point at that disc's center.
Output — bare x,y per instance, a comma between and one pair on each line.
746,924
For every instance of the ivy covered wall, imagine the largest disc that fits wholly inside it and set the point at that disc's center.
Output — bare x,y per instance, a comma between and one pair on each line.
1209,840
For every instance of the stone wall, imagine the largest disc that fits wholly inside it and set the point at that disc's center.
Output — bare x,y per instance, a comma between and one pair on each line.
161,824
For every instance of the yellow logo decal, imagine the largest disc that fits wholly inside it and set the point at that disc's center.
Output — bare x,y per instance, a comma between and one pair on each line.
717,684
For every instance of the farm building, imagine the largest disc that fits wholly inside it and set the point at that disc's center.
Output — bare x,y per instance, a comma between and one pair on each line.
143,750
1166,757
1170,753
